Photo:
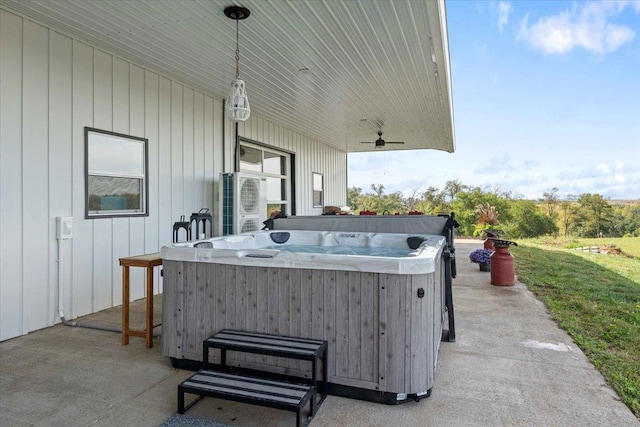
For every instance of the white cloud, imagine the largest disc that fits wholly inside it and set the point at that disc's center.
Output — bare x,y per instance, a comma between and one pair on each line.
603,168
504,9
588,25
612,180
528,177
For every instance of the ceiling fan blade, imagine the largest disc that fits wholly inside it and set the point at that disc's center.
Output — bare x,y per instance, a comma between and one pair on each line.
394,142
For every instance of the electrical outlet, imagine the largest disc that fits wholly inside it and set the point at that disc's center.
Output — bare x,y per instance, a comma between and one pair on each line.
64,227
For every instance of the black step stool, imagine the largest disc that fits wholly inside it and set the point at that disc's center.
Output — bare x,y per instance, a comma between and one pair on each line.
247,389
251,389
271,345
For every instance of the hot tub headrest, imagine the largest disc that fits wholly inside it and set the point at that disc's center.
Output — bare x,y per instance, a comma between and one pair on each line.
414,242
207,245
280,236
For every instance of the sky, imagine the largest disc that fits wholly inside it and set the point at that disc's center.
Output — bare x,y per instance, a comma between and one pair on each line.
545,94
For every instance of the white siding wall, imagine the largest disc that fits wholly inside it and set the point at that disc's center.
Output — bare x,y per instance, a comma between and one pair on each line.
53,86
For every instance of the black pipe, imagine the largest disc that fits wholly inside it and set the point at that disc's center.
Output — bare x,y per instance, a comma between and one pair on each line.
448,296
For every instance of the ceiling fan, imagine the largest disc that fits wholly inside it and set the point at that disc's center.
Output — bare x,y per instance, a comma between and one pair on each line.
381,142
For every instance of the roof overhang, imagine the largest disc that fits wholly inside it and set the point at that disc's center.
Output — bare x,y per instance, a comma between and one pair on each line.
335,71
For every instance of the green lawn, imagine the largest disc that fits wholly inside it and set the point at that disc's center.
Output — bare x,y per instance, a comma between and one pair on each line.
596,299
628,245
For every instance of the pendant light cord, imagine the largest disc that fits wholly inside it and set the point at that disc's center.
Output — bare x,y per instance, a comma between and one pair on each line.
237,52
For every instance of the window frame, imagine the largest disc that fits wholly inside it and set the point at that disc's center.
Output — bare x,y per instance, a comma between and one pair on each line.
144,197
287,205
314,190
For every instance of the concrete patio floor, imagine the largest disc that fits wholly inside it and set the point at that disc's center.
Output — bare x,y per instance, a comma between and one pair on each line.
510,365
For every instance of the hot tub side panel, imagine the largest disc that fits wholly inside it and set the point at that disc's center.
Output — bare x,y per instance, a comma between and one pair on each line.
437,312
379,330
406,325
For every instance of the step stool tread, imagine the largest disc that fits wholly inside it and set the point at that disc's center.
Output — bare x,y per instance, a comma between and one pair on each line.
265,343
283,392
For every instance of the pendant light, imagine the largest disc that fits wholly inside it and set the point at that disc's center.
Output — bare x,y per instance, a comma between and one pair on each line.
237,106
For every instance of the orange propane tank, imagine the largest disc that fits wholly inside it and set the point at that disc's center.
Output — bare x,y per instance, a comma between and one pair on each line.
502,264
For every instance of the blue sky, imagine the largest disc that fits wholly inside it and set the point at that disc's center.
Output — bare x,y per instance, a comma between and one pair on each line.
545,93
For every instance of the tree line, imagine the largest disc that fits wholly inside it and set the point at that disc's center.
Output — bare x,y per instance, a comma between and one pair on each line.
477,209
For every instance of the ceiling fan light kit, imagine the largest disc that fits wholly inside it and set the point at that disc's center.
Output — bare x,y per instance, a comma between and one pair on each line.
237,106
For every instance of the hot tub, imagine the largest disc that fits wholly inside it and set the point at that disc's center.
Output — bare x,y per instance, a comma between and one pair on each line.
377,298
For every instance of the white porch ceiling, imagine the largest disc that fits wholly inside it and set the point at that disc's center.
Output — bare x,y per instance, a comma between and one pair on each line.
337,71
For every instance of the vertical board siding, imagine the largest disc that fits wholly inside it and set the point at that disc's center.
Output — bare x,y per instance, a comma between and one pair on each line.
249,304
60,178
198,150
177,166
35,163
356,316
11,68
81,283
136,225
103,245
187,153
151,132
369,323
52,87
165,194
419,335
121,123
212,119
191,298
171,306
394,351
342,314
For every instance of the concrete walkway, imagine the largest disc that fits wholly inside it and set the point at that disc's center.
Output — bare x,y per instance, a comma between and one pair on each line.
510,365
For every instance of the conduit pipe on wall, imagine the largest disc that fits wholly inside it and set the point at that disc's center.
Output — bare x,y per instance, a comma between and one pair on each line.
61,300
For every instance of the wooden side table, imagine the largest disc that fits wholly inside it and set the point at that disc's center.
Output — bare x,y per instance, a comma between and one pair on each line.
148,261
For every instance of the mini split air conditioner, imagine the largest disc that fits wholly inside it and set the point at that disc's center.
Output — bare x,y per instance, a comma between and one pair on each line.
243,203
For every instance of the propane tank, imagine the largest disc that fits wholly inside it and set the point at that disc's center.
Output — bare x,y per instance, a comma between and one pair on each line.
502,264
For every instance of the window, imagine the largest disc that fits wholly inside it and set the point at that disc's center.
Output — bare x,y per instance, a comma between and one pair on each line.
116,174
275,166
318,190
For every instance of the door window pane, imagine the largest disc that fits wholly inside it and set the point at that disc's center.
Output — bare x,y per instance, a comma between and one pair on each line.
276,189
274,163
275,208
250,159
318,190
